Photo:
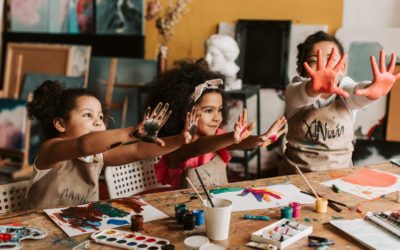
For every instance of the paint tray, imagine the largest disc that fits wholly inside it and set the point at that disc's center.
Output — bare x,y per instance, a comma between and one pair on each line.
128,240
282,233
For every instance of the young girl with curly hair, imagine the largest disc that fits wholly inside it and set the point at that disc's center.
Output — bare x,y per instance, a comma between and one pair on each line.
321,104
193,85
67,168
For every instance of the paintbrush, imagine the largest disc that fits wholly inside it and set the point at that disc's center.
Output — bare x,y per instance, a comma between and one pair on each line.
329,200
197,192
305,179
204,187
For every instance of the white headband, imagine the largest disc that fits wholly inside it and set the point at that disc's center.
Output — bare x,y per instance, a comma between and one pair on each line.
210,84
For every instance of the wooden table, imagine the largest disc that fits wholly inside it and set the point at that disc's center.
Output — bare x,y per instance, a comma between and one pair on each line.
240,229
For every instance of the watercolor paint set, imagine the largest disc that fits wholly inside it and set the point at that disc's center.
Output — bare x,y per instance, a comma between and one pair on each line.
128,240
282,233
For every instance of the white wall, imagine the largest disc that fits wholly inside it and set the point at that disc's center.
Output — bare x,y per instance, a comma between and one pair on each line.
371,13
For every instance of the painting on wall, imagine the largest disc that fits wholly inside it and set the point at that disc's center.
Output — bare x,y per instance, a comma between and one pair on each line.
29,16
12,124
125,17
91,217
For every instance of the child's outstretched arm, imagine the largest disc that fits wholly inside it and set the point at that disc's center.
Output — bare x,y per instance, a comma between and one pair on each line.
324,79
383,80
59,149
273,133
207,144
144,150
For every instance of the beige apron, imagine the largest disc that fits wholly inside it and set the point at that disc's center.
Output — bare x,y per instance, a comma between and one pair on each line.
213,174
71,182
319,138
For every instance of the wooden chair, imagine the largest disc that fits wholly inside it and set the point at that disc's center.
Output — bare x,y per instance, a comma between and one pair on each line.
132,178
12,196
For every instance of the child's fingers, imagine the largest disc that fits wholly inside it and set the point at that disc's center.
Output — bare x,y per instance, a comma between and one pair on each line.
165,119
382,65
374,66
362,92
392,63
163,111
244,116
187,121
156,110
146,113
331,58
397,76
341,63
320,65
309,70
340,92
160,142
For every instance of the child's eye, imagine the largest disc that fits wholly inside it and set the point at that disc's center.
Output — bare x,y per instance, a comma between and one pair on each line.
87,115
208,110
101,117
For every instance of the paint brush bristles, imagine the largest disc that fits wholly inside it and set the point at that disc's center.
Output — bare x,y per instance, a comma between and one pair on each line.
204,187
305,179
194,188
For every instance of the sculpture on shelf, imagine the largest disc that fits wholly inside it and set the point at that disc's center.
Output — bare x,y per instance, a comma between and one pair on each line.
222,51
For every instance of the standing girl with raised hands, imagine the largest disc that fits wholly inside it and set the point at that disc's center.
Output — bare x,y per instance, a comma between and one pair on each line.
69,162
191,85
321,104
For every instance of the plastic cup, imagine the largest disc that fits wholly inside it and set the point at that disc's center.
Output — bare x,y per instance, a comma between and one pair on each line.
217,218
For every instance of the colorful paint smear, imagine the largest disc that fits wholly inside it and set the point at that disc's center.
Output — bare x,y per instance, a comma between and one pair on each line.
261,194
11,236
101,215
371,178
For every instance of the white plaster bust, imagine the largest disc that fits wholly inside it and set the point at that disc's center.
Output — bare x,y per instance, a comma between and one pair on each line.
222,51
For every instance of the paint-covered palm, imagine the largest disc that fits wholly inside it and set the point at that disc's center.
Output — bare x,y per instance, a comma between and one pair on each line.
383,79
190,128
324,79
274,132
148,129
241,129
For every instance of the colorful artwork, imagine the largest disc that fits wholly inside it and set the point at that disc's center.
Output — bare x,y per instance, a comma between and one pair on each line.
262,197
84,10
11,236
367,183
102,215
123,17
29,16
12,124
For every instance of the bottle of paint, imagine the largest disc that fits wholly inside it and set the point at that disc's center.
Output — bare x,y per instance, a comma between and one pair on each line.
137,222
199,217
188,221
321,205
296,209
286,212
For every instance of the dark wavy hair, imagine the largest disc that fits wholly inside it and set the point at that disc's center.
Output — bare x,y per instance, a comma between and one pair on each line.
175,86
305,48
51,100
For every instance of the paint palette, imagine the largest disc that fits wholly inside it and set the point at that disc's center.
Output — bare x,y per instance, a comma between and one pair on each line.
11,236
128,240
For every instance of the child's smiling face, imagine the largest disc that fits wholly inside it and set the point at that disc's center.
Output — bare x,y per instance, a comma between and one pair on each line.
86,117
210,109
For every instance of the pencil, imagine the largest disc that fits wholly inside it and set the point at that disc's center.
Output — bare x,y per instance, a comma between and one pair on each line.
329,200
204,187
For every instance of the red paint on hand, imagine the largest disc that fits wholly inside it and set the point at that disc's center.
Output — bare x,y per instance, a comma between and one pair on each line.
272,138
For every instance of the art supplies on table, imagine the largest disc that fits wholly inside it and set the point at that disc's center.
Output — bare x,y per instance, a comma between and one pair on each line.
281,233
11,236
128,240
245,199
395,161
91,217
367,183
375,231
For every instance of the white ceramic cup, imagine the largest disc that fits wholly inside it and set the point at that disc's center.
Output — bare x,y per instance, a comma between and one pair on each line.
217,218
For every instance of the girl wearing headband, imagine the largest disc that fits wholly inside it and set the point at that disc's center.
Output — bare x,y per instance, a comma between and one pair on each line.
194,86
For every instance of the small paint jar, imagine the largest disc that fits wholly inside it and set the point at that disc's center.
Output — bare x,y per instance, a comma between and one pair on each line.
180,214
296,209
168,247
321,205
188,221
286,212
198,217
137,222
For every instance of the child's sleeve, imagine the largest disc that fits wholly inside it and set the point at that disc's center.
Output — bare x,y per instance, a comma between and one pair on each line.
355,101
296,96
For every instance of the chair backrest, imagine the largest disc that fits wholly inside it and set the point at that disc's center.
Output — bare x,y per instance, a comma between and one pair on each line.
12,196
133,178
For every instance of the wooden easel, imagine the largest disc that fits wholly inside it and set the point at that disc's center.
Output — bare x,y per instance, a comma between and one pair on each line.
109,91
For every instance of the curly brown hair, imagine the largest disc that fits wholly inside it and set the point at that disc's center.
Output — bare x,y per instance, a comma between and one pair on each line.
51,100
176,86
305,47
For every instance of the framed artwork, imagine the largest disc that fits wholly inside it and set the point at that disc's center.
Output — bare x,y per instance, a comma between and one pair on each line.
29,16
12,124
120,17
23,58
264,52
